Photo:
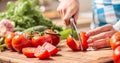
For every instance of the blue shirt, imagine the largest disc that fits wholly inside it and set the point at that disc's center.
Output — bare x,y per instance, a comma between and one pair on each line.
105,12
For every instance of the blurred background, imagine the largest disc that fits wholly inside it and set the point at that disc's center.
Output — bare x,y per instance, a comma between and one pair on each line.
49,7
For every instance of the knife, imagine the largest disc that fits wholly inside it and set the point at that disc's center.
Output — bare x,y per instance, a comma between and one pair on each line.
74,32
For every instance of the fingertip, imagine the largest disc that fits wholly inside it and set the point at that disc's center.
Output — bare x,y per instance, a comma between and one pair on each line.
89,40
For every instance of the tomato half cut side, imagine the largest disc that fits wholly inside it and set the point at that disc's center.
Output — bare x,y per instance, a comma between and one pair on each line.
116,55
84,39
41,53
51,48
71,43
29,52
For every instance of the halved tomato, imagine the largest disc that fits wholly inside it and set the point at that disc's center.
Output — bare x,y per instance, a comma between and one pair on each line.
84,39
29,52
71,43
41,53
51,48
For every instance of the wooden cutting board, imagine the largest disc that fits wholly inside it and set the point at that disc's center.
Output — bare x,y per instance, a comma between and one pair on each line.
65,55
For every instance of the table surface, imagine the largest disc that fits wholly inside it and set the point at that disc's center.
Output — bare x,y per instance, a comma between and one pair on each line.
65,55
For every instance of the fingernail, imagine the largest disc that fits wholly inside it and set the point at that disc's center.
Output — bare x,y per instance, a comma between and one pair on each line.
90,45
89,40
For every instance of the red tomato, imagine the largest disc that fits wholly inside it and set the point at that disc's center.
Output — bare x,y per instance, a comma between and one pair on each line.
115,40
48,38
38,40
51,48
116,55
84,39
8,40
19,42
41,53
28,52
71,43
55,38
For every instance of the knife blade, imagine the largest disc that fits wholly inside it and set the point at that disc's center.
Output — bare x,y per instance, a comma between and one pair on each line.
75,33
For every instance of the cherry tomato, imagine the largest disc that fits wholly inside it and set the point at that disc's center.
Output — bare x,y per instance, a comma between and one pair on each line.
38,40
71,43
29,52
116,55
41,53
84,39
115,40
51,48
8,40
19,41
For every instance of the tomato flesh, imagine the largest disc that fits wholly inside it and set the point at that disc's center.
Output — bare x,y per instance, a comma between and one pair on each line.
71,43
51,48
84,39
41,53
29,52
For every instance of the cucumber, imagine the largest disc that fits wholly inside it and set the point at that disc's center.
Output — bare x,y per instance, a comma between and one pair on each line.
35,28
18,29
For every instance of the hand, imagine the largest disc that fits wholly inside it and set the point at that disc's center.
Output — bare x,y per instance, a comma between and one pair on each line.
67,9
100,37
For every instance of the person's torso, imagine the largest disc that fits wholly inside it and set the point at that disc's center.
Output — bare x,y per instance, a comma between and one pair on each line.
105,11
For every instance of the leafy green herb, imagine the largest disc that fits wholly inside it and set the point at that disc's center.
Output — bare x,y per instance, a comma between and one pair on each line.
26,14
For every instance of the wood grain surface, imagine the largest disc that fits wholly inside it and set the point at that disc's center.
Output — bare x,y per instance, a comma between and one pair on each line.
65,55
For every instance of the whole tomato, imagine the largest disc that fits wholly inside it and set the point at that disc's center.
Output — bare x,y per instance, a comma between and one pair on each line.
8,40
54,37
38,40
116,55
115,40
19,42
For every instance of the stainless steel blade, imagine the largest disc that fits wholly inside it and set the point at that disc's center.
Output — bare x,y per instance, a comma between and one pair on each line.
74,29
